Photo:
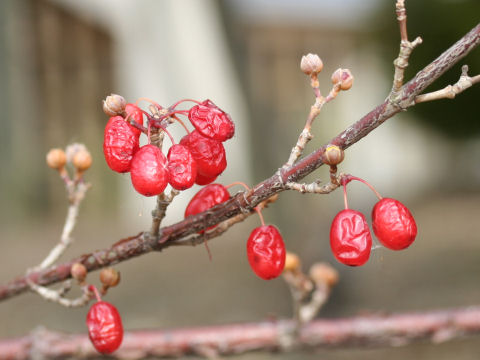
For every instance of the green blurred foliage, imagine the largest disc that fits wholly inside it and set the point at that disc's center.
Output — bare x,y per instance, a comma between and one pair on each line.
440,24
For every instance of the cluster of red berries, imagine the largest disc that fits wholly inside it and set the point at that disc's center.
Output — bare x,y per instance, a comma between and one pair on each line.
265,247
350,238
198,158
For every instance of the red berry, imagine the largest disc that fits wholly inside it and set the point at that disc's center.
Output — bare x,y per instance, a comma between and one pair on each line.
393,224
350,238
137,115
211,121
207,198
203,180
104,327
266,252
182,168
120,143
149,173
208,153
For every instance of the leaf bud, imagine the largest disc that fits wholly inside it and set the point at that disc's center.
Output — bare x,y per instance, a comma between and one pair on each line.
78,272
324,273
114,105
311,64
82,160
56,159
333,155
109,277
343,77
292,262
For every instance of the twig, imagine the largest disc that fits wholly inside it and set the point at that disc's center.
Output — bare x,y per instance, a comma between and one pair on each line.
450,91
57,296
315,187
358,331
160,210
406,48
75,196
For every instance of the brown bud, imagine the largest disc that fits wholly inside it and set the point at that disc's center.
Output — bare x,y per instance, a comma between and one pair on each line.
56,158
292,262
114,105
82,160
333,155
109,277
343,77
78,272
324,273
311,63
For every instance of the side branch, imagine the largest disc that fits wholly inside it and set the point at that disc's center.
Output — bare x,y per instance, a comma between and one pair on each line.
214,341
246,202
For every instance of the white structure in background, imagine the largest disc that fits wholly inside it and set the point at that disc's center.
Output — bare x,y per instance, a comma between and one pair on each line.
169,50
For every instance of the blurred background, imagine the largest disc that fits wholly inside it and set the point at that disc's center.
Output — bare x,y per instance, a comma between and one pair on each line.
60,58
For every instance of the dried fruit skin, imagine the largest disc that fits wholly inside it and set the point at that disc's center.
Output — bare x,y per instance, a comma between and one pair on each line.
182,168
350,238
120,143
211,121
105,328
148,173
266,252
203,180
393,224
208,153
207,198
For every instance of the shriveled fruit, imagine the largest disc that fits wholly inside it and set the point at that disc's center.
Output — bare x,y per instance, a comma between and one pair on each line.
393,224
105,328
120,143
350,238
211,121
208,153
135,114
266,252
207,198
148,173
182,168
203,180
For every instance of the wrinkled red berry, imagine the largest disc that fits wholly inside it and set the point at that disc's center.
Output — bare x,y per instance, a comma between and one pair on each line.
182,168
266,252
149,173
211,121
137,115
208,153
105,328
350,238
120,143
207,198
393,224
203,180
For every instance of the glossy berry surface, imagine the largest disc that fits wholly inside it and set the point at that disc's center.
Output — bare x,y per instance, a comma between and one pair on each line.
208,153
105,328
120,143
204,180
393,224
350,238
182,168
137,115
211,121
207,198
149,173
266,252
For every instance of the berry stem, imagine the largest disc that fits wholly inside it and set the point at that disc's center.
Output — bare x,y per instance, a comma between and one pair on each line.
351,177
155,123
129,119
344,183
238,183
93,289
148,100
259,212
181,101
